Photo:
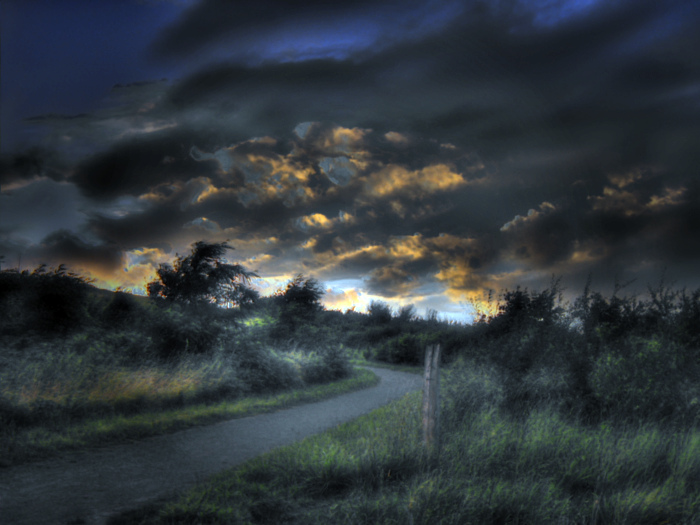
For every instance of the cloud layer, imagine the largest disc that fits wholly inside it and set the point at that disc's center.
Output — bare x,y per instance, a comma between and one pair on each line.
425,166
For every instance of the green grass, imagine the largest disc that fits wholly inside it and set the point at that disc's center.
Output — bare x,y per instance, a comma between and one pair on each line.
493,469
19,444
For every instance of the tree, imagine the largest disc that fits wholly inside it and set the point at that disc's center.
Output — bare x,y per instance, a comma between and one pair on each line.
299,302
379,312
305,292
204,278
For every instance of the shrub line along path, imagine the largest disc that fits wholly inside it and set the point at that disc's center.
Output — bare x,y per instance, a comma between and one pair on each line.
88,487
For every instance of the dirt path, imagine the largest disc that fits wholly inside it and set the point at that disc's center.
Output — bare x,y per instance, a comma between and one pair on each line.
88,487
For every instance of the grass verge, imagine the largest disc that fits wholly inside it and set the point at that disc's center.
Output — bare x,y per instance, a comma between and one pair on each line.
19,445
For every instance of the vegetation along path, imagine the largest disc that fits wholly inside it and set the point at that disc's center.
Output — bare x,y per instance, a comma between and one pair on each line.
89,487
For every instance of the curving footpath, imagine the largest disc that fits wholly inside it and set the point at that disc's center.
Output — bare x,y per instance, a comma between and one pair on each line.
88,487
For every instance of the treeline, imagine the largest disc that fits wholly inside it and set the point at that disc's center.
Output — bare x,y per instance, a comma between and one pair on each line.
628,357
183,314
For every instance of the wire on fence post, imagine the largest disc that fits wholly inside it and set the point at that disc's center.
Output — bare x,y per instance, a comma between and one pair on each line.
431,401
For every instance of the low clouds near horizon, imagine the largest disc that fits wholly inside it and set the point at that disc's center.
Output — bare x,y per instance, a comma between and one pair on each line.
487,148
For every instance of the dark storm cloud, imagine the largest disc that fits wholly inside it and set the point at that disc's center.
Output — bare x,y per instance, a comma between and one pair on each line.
30,163
478,81
242,24
133,166
67,247
637,226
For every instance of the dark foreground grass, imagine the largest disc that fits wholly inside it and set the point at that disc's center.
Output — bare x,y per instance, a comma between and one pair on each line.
493,469
19,445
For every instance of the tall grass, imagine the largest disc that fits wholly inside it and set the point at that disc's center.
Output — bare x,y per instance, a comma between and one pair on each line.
67,385
80,392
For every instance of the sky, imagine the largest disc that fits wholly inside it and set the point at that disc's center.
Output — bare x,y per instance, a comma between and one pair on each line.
415,152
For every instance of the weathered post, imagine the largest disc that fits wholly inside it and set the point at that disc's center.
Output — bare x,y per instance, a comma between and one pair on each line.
431,400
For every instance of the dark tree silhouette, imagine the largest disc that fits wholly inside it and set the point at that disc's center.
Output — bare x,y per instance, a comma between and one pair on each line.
379,312
204,278
304,292
299,303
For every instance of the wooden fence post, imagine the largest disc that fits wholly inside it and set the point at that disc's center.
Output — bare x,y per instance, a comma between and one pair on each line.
431,400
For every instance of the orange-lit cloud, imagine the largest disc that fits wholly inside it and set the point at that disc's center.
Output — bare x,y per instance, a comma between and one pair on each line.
340,140
394,179
670,197
318,221
344,299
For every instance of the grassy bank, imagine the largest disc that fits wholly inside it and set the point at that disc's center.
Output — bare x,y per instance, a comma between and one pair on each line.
154,405
493,468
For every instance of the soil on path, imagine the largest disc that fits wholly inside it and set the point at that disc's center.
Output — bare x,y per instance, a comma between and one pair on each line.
88,487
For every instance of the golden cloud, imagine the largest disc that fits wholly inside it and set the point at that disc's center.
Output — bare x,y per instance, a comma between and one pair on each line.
316,221
343,140
409,247
670,197
139,269
394,179
349,299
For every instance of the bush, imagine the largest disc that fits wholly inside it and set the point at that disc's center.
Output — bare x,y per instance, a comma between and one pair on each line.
329,365
337,363
44,302
180,330
260,369
639,380
122,310
406,349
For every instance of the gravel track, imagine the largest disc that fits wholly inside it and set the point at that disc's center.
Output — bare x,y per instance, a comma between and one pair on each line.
88,487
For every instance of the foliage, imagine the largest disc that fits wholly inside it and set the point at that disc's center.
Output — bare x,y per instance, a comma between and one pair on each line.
204,277
332,364
304,292
44,301
299,303
522,308
405,349
407,313
177,331
641,379
379,312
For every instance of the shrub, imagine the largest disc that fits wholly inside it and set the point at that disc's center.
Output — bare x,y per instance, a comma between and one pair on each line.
260,369
178,330
121,310
336,362
405,349
638,380
328,365
45,302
